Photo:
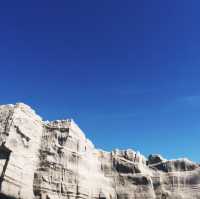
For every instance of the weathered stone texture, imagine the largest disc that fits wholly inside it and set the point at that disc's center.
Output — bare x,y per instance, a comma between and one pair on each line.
51,160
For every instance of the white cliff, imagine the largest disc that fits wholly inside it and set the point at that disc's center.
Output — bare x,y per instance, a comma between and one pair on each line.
51,160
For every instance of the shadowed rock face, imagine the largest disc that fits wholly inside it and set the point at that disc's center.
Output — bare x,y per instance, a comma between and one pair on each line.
50,160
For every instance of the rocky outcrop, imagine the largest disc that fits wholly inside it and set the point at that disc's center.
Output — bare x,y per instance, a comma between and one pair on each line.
50,160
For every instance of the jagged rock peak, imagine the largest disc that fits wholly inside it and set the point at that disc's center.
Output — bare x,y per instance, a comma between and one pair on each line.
155,158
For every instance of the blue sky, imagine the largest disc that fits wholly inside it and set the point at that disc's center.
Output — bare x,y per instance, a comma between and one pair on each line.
126,71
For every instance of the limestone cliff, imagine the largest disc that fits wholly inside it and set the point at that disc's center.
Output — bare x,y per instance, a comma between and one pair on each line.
50,160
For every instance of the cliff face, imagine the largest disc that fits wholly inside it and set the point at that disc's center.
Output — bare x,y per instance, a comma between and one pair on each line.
49,160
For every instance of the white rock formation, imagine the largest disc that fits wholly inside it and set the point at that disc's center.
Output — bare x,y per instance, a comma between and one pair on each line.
54,160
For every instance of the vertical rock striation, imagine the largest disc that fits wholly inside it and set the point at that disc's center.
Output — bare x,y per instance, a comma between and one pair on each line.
20,139
51,160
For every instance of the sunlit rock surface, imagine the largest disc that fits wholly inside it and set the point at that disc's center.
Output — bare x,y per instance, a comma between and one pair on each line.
54,160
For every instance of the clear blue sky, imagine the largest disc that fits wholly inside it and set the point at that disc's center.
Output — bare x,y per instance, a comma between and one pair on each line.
128,72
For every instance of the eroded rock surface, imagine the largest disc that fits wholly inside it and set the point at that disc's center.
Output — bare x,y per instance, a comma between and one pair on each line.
51,160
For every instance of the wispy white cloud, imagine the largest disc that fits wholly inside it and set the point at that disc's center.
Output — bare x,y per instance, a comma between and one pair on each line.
193,100
123,115
112,116
177,104
132,91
